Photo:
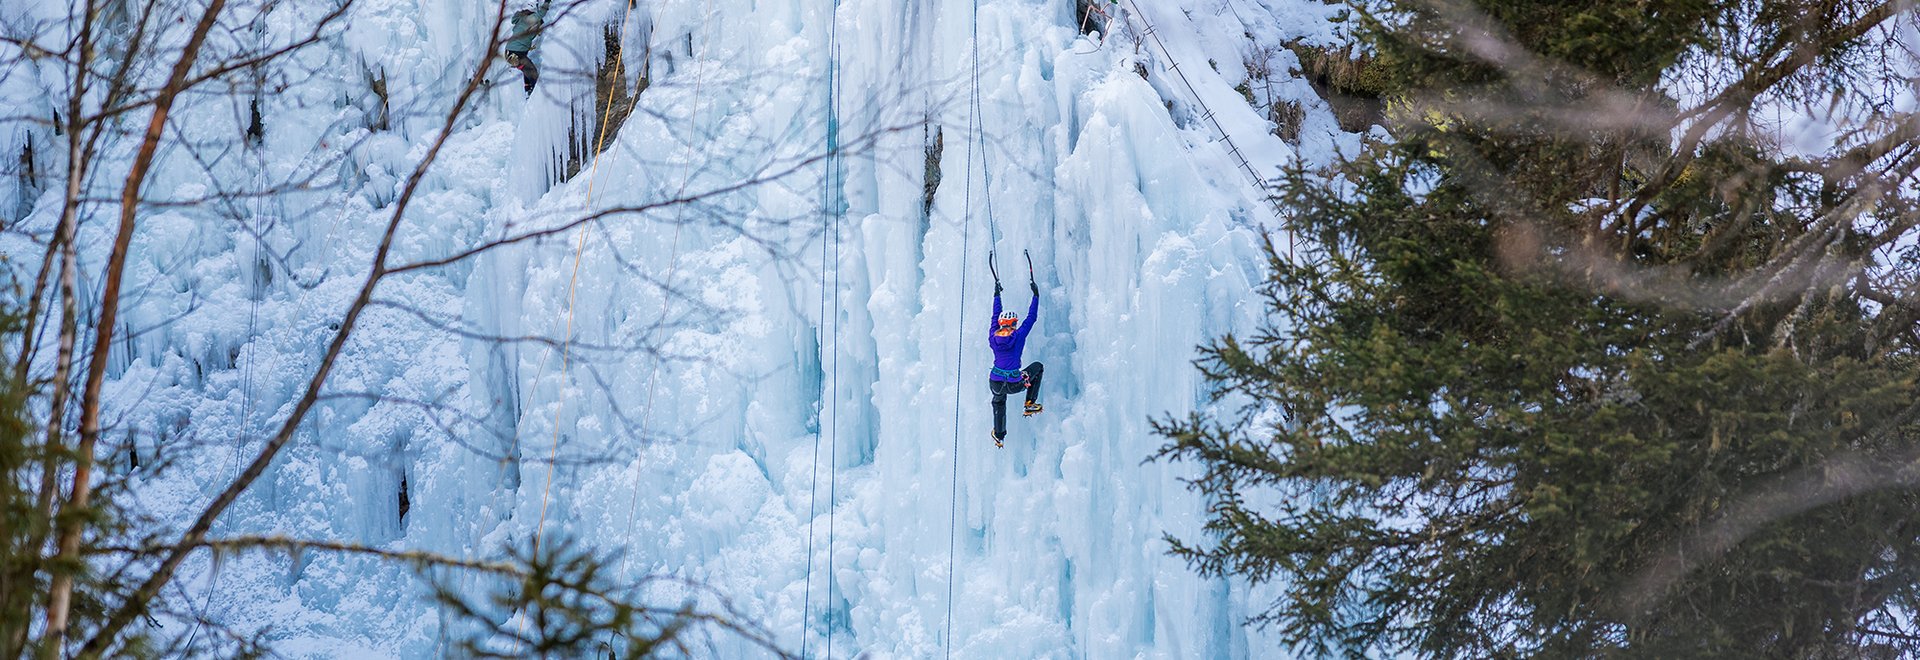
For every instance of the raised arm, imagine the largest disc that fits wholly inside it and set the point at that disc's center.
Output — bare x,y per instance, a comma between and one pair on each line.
1033,316
993,323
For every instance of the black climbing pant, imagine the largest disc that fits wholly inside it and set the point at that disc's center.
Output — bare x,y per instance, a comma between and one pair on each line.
518,59
1030,384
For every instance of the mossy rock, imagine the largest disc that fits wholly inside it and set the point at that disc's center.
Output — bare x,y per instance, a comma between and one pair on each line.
1354,83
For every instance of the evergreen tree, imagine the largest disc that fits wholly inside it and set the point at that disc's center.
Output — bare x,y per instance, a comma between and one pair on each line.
1593,354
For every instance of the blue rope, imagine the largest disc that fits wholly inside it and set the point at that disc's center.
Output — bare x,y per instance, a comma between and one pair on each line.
959,362
813,490
834,183
953,494
246,412
979,130
829,225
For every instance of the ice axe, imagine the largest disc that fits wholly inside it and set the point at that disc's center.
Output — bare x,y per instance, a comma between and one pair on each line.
996,273
1032,281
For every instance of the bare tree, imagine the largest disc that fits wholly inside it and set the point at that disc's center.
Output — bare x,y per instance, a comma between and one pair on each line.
101,568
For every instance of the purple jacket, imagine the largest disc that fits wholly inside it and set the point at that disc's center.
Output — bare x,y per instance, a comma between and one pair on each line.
1006,350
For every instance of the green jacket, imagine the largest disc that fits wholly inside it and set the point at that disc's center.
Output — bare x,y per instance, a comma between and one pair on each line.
526,26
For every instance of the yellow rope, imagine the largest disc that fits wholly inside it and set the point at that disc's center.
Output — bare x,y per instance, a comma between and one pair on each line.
573,287
573,282
666,293
580,246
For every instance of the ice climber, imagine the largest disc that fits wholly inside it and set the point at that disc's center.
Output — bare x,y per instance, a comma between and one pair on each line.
526,27
1008,338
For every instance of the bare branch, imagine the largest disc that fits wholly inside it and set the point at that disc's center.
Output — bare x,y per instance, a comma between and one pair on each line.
102,640
69,537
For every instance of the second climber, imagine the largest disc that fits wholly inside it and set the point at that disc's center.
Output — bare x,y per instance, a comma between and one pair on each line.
527,23
1008,339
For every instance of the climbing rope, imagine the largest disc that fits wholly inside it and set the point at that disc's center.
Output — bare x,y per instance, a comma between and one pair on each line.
976,143
573,282
813,489
830,398
830,410
566,341
666,295
239,433
978,127
1279,212
833,433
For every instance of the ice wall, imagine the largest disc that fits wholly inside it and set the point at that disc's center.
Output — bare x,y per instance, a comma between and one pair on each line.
778,390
